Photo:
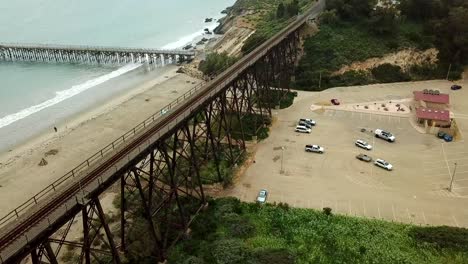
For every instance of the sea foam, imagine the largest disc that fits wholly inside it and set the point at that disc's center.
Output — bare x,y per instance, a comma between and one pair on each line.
181,42
65,94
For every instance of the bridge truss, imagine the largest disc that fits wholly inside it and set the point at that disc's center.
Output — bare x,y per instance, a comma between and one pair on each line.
164,183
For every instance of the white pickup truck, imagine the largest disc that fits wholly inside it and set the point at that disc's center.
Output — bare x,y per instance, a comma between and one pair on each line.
379,133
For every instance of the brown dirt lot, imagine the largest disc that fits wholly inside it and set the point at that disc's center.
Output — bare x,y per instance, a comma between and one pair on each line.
415,191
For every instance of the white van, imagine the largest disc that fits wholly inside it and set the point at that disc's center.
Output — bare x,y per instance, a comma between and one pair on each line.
303,129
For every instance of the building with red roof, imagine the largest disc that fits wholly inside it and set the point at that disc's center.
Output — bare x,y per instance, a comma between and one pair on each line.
432,108
438,98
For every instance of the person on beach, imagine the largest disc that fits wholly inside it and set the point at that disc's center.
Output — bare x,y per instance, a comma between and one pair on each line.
55,129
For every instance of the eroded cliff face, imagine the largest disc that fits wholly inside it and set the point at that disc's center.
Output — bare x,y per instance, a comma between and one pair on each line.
235,28
404,58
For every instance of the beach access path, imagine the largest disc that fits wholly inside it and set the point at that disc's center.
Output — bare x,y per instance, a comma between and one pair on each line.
83,135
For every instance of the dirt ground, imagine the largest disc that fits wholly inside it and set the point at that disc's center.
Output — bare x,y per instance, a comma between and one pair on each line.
416,191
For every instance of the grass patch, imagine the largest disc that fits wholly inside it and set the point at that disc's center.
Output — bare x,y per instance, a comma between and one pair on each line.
250,233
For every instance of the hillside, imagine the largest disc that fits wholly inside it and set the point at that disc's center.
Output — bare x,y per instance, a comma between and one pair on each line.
361,43
230,231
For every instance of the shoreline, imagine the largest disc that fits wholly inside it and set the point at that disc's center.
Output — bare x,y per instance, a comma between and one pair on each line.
87,132
45,137
82,134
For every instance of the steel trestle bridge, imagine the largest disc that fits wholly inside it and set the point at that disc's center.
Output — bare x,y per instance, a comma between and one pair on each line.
159,162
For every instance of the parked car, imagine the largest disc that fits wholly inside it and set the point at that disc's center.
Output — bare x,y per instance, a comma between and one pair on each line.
362,144
262,196
444,136
456,87
383,164
314,148
303,123
308,121
379,133
364,157
335,102
303,129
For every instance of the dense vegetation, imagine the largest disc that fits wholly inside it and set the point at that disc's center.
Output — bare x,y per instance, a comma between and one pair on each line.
216,63
234,232
353,30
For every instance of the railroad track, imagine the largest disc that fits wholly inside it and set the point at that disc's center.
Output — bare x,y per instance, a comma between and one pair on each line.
13,231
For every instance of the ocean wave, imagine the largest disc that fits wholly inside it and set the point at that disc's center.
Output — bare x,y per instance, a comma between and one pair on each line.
65,94
183,41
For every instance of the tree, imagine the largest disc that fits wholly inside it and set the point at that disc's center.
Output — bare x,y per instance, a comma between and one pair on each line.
280,11
351,9
417,9
253,41
216,62
292,8
383,20
329,17
452,36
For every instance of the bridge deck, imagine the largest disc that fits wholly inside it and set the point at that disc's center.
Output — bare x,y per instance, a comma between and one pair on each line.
95,49
37,216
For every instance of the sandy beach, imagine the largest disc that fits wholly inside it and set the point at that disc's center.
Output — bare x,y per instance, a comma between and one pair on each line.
83,135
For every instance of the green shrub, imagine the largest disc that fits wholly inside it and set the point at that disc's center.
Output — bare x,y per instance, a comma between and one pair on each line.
349,78
442,236
193,260
329,17
253,41
327,211
216,62
240,227
230,251
274,256
387,73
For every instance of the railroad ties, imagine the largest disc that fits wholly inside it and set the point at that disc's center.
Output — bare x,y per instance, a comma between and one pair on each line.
90,54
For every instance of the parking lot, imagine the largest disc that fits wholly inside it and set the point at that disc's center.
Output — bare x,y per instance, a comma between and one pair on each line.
415,191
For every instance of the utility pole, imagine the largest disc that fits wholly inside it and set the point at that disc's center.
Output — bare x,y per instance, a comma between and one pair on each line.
453,176
282,152
320,80
448,73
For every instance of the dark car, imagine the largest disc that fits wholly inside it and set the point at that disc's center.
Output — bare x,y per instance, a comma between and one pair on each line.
456,87
335,101
445,136
364,157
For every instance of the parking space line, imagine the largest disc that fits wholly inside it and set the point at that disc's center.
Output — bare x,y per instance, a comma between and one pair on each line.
458,188
446,161
455,220
378,210
409,216
424,217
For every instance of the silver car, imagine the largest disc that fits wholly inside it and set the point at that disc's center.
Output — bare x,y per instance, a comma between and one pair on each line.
383,164
262,196
362,144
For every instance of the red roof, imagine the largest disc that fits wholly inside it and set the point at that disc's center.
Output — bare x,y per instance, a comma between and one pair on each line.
431,98
432,114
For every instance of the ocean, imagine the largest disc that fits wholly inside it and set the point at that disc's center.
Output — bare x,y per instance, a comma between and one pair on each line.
37,96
